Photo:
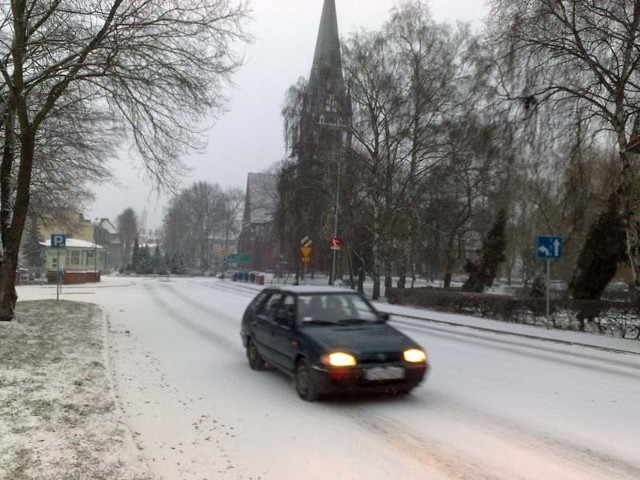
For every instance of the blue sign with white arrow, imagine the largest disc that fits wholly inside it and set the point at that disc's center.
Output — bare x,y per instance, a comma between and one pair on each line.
549,246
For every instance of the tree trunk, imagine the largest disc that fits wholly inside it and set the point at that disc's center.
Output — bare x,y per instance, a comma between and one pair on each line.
361,277
376,268
376,286
11,245
8,159
448,272
631,221
388,280
402,268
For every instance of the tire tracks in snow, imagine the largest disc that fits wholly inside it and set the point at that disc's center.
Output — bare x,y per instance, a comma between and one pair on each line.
187,321
566,451
235,288
430,453
434,452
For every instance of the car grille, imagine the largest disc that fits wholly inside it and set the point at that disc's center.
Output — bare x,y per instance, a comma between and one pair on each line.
379,358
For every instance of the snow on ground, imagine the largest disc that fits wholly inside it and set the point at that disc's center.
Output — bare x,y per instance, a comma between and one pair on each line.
494,407
58,418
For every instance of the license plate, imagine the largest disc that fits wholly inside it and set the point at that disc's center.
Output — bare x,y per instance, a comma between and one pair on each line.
384,373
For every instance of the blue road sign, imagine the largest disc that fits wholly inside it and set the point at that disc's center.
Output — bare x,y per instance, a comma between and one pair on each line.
549,246
58,240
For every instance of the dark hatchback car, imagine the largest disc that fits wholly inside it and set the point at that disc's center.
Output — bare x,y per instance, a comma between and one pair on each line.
330,340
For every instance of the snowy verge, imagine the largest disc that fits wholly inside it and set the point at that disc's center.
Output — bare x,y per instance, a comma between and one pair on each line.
58,417
592,340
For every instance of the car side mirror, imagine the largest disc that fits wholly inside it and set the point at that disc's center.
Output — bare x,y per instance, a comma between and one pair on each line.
385,316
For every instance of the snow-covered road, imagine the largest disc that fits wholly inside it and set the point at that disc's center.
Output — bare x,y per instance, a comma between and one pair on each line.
494,407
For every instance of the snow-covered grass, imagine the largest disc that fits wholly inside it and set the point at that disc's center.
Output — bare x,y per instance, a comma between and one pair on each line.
58,415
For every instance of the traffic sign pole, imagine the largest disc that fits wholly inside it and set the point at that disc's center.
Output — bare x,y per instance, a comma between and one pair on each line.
58,240
305,250
549,247
548,281
58,278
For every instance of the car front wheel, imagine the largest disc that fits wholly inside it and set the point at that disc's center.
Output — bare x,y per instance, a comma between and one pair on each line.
253,356
305,386
402,391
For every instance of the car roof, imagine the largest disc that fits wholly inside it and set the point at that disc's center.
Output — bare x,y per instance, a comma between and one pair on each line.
310,289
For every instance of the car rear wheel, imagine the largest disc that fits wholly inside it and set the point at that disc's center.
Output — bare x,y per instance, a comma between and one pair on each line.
305,386
253,356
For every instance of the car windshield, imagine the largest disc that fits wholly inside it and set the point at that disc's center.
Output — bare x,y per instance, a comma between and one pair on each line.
335,308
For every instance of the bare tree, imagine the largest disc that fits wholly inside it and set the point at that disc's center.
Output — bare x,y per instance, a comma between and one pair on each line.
443,74
585,54
231,210
156,66
196,218
378,135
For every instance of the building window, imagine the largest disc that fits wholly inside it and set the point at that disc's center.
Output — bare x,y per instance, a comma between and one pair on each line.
74,257
331,105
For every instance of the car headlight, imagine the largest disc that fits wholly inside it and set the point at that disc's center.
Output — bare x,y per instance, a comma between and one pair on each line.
414,355
339,359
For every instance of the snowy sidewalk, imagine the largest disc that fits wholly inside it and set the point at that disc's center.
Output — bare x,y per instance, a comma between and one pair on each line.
528,331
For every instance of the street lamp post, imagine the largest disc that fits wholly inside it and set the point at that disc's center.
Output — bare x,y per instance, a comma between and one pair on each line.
335,226
95,252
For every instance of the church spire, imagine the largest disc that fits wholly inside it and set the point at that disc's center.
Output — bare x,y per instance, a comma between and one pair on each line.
327,62
326,99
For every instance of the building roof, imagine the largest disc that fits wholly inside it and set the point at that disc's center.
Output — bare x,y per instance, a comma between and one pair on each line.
74,243
106,224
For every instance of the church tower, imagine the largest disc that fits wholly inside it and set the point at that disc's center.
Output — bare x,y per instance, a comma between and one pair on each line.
324,143
310,189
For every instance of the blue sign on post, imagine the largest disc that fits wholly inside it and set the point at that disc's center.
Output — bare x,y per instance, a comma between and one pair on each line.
549,246
58,240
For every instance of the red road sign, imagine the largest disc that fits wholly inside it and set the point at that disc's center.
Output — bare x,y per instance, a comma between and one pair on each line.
336,243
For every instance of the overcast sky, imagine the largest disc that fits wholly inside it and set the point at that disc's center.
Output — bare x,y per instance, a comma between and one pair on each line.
248,137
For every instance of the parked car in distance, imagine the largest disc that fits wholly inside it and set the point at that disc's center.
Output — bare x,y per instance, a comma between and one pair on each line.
23,273
330,341
617,287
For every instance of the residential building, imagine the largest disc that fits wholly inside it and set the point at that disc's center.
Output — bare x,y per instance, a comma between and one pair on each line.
76,256
107,236
72,224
